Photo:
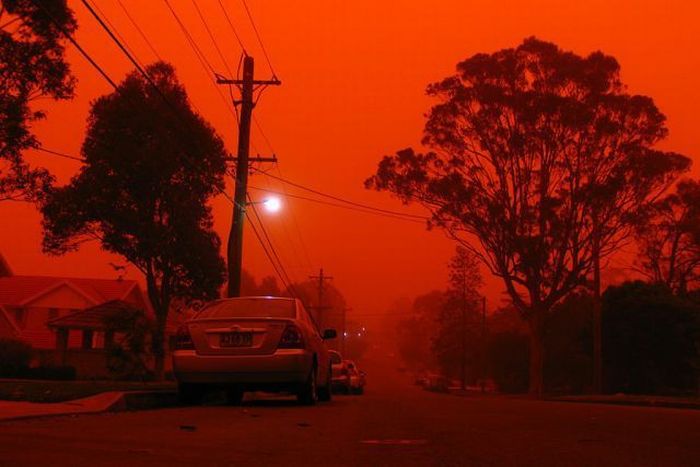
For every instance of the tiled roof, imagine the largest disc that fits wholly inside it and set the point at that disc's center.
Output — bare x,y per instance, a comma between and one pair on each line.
93,317
4,267
15,290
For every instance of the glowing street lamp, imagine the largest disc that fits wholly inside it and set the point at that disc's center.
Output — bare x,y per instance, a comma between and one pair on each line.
272,204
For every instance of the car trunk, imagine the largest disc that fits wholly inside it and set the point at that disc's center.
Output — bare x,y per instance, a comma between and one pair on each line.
237,336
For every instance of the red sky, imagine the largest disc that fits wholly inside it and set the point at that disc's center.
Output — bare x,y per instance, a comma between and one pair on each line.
354,75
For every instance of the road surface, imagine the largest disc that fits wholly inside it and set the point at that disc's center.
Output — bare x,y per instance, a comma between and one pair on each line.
393,424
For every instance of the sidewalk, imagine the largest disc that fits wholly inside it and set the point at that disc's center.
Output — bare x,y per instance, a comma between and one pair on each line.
114,401
10,410
640,401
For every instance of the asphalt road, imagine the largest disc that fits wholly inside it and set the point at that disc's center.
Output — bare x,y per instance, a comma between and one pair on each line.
394,423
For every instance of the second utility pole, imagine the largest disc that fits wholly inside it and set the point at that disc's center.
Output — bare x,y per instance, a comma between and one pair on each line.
320,307
235,239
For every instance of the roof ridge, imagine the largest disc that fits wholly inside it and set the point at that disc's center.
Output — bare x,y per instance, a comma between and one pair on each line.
65,278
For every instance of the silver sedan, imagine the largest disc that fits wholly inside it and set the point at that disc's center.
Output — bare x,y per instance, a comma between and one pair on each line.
253,344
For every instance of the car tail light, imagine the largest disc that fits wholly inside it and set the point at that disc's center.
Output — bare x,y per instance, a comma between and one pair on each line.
291,338
183,339
344,372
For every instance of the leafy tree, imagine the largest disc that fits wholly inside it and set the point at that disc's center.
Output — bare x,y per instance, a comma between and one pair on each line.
651,340
457,344
416,329
530,149
128,353
267,286
669,238
150,168
32,66
568,341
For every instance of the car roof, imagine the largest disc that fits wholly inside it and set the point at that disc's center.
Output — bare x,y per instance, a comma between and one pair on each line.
251,297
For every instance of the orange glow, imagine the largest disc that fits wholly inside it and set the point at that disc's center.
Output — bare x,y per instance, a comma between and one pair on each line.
353,76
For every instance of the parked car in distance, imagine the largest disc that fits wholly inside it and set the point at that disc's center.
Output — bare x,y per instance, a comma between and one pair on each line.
437,383
421,378
357,378
253,344
340,375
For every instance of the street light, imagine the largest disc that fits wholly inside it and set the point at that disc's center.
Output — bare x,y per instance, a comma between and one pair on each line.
272,204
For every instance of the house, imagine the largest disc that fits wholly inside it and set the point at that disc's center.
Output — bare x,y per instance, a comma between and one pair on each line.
4,267
29,303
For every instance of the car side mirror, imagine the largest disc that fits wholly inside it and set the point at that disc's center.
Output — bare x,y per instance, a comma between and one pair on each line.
329,334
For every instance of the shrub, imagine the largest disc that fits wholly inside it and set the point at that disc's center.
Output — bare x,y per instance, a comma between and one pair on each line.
507,356
650,340
51,372
15,357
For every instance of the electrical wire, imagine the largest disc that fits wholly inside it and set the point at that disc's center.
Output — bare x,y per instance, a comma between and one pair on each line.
140,31
213,40
337,205
257,34
233,28
203,61
60,154
267,238
342,200
116,88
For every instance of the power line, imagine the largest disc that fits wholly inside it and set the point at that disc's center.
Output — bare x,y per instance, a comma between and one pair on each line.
278,267
206,65
295,222
257,34
116,32
233,28
140,70
140,31
267,237
342,206
75,43
211,36
60,154
342,200
116,88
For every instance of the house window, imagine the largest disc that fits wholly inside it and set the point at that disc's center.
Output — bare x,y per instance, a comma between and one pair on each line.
53,313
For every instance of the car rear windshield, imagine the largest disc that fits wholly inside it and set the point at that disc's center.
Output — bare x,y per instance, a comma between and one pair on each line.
250,308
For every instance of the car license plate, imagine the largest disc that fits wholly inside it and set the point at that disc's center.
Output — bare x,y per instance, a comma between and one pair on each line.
236,339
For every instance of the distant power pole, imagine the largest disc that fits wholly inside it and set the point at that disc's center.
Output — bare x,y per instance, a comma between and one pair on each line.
319,305
234,251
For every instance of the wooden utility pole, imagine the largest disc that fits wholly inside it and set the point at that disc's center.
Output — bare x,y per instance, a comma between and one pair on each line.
463,361
234,251
320,307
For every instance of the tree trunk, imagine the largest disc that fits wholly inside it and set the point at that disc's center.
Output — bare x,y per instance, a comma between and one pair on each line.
161,307
536,356
158,348
597,319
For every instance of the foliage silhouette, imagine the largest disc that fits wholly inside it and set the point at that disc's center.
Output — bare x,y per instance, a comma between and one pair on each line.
143,191
32,66
539,163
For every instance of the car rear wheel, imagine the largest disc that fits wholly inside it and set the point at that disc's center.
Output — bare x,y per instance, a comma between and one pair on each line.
190,394
325,394
308,394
